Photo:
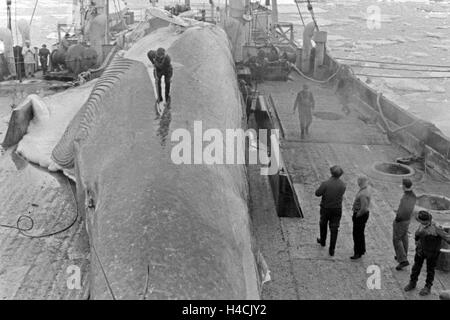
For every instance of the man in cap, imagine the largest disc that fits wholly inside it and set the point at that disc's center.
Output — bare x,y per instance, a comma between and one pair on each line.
332,192
305,104
65,44
28,58
162,67
43,57
428,245
401,224
360,216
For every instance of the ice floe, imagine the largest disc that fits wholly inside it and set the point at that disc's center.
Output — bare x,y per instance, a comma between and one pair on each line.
406,85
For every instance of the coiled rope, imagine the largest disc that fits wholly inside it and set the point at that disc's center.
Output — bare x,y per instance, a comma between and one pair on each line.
22,230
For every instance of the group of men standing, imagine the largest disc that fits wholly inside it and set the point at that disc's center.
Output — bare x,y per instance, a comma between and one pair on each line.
29,55
428,236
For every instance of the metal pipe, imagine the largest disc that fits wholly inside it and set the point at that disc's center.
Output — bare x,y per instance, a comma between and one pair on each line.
8,10
107,22
274,13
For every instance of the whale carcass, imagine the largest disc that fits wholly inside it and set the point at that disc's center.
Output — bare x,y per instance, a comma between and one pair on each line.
159,230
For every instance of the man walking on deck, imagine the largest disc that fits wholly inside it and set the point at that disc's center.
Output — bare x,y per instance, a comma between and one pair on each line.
43,57
28,58
163,67
428,245
332,192
305,104
401,224
360,216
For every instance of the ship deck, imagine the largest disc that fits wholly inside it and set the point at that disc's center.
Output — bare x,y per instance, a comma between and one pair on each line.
38,268
302,269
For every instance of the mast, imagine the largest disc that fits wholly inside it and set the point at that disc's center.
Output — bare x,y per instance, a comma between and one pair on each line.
8,10
274,13
107,22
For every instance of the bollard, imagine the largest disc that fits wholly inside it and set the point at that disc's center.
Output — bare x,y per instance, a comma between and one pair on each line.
320,38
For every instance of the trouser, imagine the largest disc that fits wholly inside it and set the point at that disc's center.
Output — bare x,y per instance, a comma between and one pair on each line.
400,240
419,258
359,239
29,69
167,80
330,218
305,122
44,66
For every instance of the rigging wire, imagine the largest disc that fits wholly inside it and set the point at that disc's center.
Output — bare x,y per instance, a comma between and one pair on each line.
401,77
310,9
299,12
400,69
395,63
103,272
34,10
15,22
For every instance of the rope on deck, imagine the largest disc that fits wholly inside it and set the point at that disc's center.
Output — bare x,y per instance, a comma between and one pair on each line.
314,80
390,130
21,218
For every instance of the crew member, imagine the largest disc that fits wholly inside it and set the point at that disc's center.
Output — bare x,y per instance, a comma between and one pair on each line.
274,54
332,192
305,104
428,245
43,57
360,216
65,44
401,224
162,67
28,58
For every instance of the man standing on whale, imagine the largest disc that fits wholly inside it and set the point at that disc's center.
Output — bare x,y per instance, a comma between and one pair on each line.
162,67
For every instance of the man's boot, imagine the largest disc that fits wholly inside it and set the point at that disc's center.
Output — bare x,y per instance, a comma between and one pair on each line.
402,265
320,242
410,286
425,291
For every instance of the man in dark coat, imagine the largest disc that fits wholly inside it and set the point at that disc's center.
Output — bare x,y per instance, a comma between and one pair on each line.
428,245
43,57
163,67
332,192
401,223
305,104
360,216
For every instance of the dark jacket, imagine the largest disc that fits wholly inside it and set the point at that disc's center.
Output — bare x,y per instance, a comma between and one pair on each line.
331,192
406,207
162,66
362,201
304,100
428,239
44,53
